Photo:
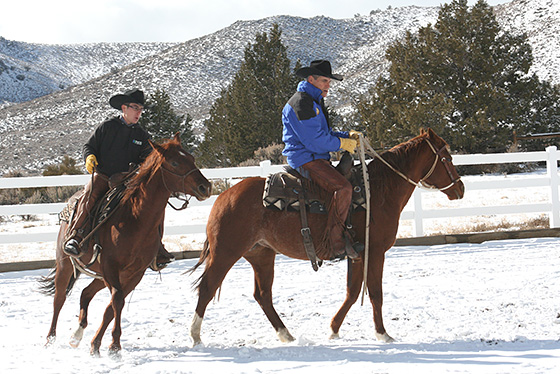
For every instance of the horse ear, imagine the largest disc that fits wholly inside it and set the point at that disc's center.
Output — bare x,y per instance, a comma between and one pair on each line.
177,137
156,146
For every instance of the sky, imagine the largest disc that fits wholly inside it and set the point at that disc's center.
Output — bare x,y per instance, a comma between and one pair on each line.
71,21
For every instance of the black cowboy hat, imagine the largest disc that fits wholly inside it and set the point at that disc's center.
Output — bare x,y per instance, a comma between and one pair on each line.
318,67
133,96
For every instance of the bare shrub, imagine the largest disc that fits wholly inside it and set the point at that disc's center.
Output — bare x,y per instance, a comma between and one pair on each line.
273,153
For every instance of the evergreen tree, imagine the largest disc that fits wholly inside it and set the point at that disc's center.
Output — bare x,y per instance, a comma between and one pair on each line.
161,121
247,115
466,78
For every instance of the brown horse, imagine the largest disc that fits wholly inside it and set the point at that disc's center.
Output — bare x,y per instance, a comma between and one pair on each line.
240,226
129,239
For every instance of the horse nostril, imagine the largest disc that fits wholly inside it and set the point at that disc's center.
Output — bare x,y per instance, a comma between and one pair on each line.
204,190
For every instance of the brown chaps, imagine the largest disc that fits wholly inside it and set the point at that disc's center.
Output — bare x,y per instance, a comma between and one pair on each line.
322,173
96,188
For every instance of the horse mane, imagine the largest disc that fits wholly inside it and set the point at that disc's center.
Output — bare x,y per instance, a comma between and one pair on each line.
382,177
136,186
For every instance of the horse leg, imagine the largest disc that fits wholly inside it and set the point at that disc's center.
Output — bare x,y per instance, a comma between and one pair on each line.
355,278
87,295
62,278
375,288
96,341
262,261
210,280
119,294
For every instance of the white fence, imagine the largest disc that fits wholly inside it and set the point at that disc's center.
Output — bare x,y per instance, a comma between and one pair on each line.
416,213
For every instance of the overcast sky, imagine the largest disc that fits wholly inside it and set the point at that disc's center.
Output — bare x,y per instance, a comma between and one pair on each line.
91,21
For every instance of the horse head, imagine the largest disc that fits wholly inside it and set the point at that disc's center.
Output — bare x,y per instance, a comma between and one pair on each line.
442,174
179,172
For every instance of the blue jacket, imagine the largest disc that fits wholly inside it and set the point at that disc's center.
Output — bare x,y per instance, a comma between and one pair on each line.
307,135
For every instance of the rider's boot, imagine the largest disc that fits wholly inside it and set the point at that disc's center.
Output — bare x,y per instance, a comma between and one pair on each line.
163,258
72,246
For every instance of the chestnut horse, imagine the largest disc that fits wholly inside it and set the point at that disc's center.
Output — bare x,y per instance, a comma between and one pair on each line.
129,239
240,226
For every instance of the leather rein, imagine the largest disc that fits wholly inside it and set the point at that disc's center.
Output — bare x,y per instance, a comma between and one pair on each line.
422,182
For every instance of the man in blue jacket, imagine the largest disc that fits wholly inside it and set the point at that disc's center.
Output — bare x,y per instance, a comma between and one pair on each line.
309,139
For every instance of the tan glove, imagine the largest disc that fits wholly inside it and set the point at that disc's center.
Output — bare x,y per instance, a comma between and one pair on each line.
348,144
91,163
354,134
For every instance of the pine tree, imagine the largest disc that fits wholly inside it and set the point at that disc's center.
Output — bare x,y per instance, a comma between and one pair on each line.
247,115
465,77
161,121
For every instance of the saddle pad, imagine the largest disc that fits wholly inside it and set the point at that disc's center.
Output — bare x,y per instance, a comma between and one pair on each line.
67,212
282,192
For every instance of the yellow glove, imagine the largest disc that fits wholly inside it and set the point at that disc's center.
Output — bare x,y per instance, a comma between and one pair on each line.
348,144
91,163
354,134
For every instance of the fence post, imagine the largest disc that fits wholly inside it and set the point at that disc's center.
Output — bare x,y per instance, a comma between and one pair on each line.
552,171
418,213
265,168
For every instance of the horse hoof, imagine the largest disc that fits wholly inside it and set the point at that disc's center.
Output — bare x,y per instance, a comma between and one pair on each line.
196,342
115,353
285,336
334,335
384,338
50,340
77,337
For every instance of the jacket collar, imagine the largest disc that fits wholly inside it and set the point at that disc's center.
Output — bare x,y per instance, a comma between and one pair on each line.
314,92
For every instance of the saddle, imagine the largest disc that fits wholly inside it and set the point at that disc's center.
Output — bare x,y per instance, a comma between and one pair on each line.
283,190
286,191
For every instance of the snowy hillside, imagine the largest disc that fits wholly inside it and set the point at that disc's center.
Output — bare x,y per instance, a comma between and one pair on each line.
540,20
41,131
28,71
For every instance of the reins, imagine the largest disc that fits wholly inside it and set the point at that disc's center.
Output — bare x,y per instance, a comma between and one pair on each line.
422,182
364,147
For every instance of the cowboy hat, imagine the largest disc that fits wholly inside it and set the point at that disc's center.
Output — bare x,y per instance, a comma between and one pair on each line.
318,67
132,96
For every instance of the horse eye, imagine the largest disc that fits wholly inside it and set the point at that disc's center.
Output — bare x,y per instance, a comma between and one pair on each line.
444,159
174,164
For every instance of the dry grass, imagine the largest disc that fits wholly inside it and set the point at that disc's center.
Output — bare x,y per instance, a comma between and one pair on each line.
540,222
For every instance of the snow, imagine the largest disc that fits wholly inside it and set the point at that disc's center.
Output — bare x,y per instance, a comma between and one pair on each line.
461,308
466,308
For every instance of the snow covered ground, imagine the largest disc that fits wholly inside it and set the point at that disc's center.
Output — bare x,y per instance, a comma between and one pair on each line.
463,308
467,308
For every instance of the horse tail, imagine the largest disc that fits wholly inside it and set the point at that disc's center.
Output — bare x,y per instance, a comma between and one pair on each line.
47,285
203,257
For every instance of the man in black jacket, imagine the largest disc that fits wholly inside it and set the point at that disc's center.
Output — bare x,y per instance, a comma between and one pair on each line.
113,146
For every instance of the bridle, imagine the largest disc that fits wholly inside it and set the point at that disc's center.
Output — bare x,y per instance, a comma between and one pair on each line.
446,163
422,182
176,194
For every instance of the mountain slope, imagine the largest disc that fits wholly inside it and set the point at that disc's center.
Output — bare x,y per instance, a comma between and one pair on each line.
28,71
193,73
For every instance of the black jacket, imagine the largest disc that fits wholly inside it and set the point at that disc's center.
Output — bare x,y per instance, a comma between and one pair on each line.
116,145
